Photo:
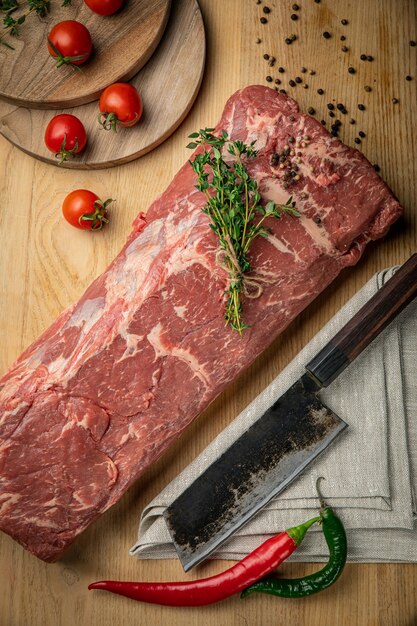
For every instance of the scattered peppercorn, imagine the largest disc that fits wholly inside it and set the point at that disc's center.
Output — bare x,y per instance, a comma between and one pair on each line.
282,91
395,101
317,1
323,122
277,81
281,70
363,57
312,72
258,40
331,114
294,16
266,56
303,70
271,62
269,79
344,22
320,92
376,167
295,7
368,88
330,106
298,79
288,41
361,107
413,44
326,35
408,77
369,58
305,86
351,70
258,1
263,20
311,111
292,83
357,140
345,48
267,10
352,121
342,38
361,134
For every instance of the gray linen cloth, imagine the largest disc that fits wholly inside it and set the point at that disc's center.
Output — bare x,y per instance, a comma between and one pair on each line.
370,470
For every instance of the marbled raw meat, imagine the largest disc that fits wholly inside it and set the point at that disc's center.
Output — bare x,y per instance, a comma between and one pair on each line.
120,374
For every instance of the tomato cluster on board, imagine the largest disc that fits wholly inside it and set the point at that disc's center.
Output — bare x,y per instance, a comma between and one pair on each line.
120,104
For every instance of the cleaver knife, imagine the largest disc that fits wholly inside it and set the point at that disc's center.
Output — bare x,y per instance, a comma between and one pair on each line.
264,460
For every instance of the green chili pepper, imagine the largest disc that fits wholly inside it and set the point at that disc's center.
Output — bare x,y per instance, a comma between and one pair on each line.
335,536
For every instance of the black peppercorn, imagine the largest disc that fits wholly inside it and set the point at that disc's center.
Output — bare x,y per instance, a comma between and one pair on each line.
368,88
376,167
303,70
298,80
331,114
263,20
342,38
323,122
295,7
363,57
311,111
369,58
361,107
344,22
288,41
269,79
352,121
345,48
267,10
281,70
351,70
357,140
361,134
413,43
294,16
292,83
330,106
326,35
395,101
408,77
282,91
266,57
277,81
320,92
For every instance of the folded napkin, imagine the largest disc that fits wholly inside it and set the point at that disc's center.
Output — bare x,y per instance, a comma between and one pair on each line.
370,470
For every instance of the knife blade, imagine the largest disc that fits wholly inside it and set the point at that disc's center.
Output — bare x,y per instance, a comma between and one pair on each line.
298,427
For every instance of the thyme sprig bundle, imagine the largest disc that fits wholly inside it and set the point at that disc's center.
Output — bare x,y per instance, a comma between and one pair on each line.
235,211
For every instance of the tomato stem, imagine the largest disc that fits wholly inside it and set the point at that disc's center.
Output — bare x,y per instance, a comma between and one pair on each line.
63,60
99,216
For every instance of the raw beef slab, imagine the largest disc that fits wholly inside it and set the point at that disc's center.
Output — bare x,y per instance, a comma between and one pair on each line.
120,374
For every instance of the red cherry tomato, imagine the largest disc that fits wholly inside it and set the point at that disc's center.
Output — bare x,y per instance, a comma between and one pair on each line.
70,43
120,105
84,209
104,7
65,135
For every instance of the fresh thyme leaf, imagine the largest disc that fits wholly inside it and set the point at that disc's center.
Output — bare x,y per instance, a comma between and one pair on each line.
235,211
11,24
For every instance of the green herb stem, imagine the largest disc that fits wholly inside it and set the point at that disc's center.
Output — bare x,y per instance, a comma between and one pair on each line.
235,211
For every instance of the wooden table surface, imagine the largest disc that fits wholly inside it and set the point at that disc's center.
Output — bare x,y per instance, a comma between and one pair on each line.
45,265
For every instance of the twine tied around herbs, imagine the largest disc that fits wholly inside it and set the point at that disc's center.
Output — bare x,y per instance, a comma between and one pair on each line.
252,286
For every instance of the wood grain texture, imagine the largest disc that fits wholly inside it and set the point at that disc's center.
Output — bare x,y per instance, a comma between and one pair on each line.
166,99
122,42
45,265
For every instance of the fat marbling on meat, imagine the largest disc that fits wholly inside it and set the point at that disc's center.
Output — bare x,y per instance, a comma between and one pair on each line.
121,373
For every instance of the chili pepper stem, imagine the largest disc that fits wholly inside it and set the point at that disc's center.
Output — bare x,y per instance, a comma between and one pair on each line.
298,532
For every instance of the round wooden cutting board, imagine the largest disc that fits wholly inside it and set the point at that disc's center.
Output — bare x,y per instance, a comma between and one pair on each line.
169,84
123,43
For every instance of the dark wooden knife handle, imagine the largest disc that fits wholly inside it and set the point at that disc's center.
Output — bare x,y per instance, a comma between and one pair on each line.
368,322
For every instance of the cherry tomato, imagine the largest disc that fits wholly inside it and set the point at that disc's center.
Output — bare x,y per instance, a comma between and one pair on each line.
70,43
84,209
104,7
65,135
120,105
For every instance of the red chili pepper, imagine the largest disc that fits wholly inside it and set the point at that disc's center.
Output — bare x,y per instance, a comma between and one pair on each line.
262,561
